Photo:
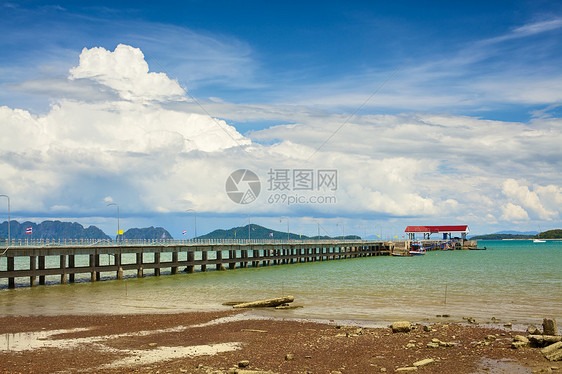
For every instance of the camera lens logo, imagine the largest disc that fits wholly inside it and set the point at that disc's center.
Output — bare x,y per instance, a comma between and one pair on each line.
243,186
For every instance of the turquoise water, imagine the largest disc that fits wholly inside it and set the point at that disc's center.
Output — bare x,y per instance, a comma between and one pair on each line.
517,281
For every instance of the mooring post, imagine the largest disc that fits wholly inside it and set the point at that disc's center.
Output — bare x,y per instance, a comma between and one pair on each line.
139,265
92,266
157,264
97,262
119,266
264,257
204,257
11,267
232,256
63,277
71,265
220,265
41,267
255,256
244,254
191,261
174,268
32,267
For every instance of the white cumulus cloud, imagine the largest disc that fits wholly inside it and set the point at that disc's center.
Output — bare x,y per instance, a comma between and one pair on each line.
126,71
530,200
514,213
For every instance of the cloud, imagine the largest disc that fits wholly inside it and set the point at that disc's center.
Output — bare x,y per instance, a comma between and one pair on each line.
79,151
531,200
531,29
514,213
126,71
153,153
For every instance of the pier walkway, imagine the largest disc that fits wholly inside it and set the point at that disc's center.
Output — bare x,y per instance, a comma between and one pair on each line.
29,263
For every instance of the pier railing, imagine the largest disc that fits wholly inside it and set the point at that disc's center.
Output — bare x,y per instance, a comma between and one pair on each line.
150,242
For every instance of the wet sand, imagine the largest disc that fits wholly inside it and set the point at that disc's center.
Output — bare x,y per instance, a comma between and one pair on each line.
215,342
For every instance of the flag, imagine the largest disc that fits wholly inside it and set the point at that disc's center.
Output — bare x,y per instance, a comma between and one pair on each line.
120,232
271,235
29,230
184,232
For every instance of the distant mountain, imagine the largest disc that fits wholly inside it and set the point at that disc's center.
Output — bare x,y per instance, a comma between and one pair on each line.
50,230
500,237
260,232
147,233
511,232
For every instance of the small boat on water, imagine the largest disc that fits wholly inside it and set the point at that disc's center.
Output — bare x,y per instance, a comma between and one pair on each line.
539,241
416,249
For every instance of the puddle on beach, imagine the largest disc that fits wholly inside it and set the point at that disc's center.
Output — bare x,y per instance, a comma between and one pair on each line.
491,366
28,341
147,357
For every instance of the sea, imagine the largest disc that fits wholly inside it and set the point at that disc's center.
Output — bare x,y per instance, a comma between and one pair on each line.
514,281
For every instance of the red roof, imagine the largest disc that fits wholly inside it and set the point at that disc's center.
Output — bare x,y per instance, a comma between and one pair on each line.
433,229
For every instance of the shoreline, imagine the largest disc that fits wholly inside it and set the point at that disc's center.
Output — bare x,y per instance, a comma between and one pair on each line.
214,341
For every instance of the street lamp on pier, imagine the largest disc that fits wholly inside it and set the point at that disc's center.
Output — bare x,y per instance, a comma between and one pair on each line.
249,227
194,221
9,238
288,226
342,229
118,228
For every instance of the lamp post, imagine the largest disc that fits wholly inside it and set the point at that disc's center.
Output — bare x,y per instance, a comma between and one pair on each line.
318,226
249,226
194,220
288,226
342,230
118,228
9,238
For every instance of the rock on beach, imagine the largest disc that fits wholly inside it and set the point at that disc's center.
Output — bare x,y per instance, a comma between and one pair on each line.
401,326
553,352
549,327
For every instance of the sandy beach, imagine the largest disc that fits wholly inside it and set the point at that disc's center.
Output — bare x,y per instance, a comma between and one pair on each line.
244,341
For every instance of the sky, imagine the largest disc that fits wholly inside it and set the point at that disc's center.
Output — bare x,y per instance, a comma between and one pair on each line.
332,117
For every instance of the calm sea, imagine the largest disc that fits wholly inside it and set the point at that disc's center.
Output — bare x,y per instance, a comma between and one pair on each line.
516,281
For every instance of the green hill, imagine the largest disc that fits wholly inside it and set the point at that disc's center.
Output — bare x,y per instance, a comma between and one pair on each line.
256,232
260,232
550,234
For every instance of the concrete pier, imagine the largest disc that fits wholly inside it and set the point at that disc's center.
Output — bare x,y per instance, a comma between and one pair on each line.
198,256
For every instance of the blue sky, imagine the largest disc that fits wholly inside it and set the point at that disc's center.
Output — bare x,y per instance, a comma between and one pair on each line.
431,112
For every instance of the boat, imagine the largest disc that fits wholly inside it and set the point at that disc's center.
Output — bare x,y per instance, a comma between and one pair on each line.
416,249
400,254
539,241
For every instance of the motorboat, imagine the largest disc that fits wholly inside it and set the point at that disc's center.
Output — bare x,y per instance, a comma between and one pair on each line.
416,249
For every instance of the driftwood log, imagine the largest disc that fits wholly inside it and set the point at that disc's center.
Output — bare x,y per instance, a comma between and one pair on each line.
266,303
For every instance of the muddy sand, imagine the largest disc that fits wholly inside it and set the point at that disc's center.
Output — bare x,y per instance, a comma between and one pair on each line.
245,342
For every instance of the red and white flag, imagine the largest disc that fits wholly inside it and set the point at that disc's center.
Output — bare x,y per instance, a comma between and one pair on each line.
29,230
